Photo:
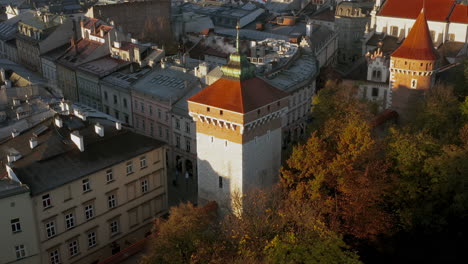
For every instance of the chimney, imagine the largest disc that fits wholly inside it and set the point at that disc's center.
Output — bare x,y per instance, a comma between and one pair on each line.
118,125
14,133
99,129
117,44
11,173
65,107
7,83
309,30
2,75
77,139
33,142
78,114
13,156
16,102
58,121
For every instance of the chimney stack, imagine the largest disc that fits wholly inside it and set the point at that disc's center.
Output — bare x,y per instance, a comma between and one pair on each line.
13,156
77,139
2,75
99,129
58,121
118,125
11,173
33,142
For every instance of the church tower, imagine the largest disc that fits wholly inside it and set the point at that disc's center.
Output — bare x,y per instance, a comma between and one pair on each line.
412,66
238,124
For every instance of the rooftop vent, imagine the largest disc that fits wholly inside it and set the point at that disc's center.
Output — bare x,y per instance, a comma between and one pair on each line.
99,129
117,45
78,140
14,133
33,142
118,125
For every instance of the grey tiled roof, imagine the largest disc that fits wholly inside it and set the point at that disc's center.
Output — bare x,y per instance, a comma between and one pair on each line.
57,161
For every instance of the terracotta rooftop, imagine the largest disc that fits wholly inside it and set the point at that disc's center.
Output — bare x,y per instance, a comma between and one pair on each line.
418,45
240,96
459,14
436,10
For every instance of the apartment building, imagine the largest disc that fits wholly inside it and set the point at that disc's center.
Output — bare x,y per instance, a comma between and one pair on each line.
94,187
40,34
154,102
19,241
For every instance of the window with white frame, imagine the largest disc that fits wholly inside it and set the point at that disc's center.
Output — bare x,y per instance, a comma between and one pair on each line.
73,248
129,167
89,211
46,202
114,227
54,256
144,186
143,162
92,240
112,201
50,229
86,185
69,220
20,251
15,225
109,175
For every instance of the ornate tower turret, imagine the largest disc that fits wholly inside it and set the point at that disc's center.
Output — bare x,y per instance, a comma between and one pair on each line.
412,66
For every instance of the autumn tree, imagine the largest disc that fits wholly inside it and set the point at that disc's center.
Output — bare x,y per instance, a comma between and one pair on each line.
187,232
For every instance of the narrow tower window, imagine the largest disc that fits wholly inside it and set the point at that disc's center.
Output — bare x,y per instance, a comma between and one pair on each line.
414,83
220,182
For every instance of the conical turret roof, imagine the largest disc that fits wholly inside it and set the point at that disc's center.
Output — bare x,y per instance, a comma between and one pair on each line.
418,45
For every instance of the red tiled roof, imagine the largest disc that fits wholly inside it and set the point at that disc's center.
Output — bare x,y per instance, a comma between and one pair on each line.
459,14
90,23
125,45
418,45
238,96
436,10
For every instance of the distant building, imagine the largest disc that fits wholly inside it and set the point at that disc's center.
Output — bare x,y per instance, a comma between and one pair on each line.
413,66
447,20
351,18
239,121
151,24
40,34
92,187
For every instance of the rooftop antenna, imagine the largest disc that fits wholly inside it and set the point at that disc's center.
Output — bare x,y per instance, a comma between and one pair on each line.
237,39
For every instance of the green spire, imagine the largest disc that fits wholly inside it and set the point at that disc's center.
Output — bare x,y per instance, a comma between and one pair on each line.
238,66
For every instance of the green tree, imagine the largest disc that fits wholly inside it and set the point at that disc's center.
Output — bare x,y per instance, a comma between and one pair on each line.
439,114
